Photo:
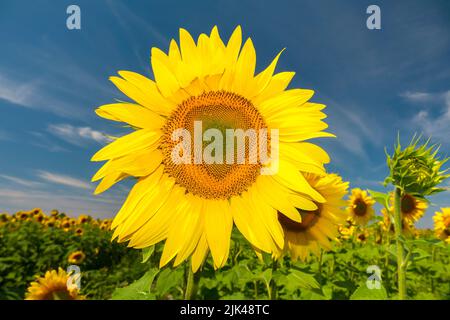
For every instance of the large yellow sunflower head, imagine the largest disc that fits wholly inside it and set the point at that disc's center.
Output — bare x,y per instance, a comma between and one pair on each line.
442,224
360,206
53,286
214,142
313,229
76,257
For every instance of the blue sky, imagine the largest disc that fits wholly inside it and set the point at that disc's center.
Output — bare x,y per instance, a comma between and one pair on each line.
374,82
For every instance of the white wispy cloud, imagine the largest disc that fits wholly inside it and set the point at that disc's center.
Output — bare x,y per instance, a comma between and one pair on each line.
63,179
20,181
77,135
420,97
32,94
434,124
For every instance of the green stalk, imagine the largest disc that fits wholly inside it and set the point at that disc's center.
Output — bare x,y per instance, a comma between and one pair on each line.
189,292
273,285
401,270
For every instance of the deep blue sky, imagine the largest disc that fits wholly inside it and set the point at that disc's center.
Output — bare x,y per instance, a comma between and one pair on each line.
374,82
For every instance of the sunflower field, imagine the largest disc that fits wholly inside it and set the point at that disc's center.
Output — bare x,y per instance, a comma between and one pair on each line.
33,243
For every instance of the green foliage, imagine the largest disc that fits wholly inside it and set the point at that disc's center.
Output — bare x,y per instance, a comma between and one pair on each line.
110,270
28,249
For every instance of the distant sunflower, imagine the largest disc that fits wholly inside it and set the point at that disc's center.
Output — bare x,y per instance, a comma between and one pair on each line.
318,226
66,224
360,207
53,286
79,231
36,211
193,206
22,215
83,218
346,232
412,208
387,224
362,236
442,224
76,257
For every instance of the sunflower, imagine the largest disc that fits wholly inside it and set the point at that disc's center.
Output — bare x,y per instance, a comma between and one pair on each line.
53,286
387,224
83,218
192,204
54,213
105,224
22,215
36,211
362,236
76,257
412,208
79,231
346,232
316,226
442,224
66,224
360,206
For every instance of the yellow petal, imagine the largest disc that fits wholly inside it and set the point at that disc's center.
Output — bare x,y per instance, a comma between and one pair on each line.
129,143
132,114
218,225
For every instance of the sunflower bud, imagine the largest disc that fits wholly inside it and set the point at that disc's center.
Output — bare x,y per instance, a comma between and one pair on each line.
416,169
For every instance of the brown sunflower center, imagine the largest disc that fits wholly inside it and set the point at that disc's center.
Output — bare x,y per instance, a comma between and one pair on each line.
309,219
360,207
407,204
226,175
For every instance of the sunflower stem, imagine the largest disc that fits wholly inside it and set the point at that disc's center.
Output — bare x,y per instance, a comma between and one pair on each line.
190,285
401,270
273,285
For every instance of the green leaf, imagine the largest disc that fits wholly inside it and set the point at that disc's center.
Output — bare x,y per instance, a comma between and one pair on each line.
138,290
303,280
147,253
364,293
168,279
380,197
266,275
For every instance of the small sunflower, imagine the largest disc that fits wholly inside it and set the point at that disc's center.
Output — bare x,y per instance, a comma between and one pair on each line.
76,257
79,231
362,236
360,207
53,286
39,217
105,224
412,208
36,211
22,215
193,205
442,224
66,224
50,222
387,224
54,213
318,226
346,232
83,218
